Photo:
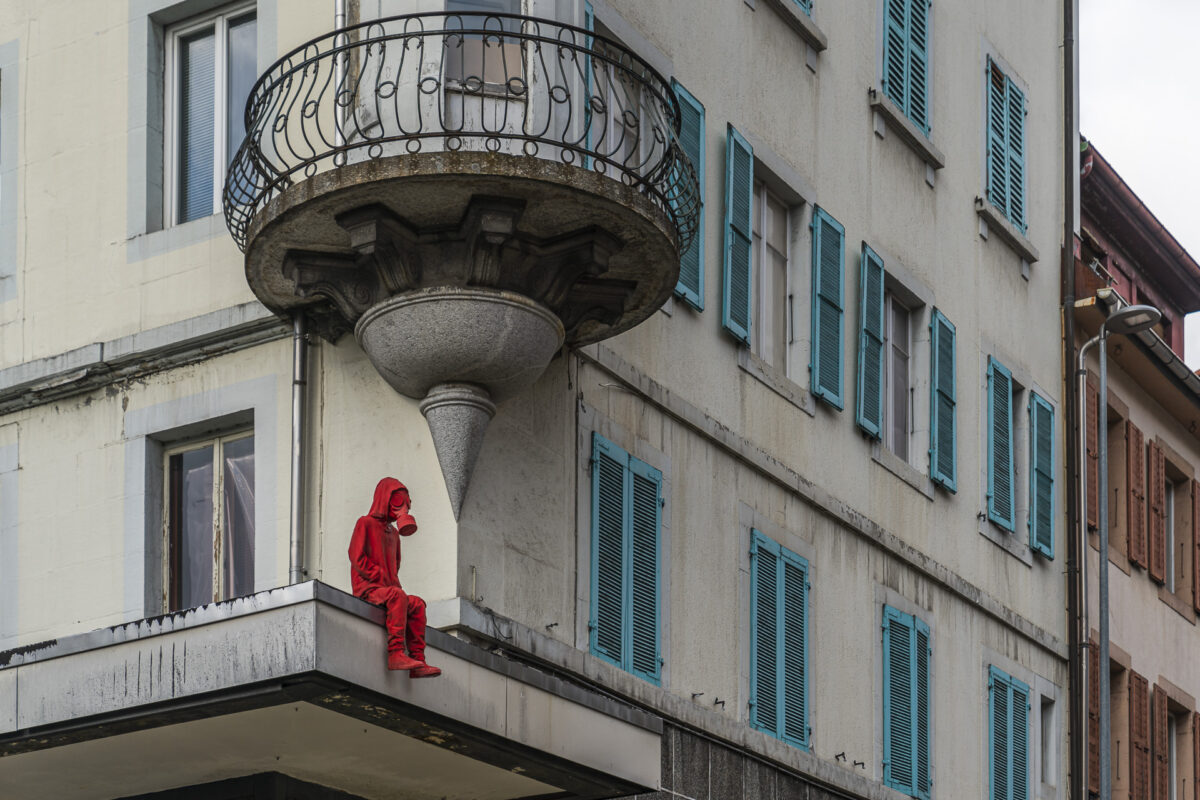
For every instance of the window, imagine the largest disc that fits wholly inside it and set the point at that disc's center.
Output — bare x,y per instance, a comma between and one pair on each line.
778,641
488,57
1008,737
626,506
942,423
691,138
897,420
889,314
209,521
805,6
1006,146
211,67
907,697
771,293
828,260
906,58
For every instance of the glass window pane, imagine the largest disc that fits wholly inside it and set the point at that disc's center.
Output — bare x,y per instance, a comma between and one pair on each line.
243,71
900,406
194,537
237,546
197,87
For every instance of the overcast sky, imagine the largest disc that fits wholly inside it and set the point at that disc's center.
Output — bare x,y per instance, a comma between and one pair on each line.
1139,105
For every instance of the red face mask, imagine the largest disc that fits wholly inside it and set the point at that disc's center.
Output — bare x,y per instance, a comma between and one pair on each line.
398,510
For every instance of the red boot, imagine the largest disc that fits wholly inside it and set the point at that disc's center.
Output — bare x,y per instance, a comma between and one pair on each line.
398,660
424,671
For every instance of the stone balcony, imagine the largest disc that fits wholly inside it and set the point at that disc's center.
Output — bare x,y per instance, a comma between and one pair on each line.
467,194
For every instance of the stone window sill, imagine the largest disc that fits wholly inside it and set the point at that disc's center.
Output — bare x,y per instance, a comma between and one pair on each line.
902,469
1182,608
776,381
1015,545
997,223
903,127
800,22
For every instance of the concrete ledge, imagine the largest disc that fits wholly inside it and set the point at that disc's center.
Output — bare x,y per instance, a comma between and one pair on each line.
1008,233
800,22
323,651
92,366
909,133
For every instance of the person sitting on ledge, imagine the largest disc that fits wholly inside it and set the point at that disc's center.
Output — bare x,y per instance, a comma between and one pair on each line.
374,568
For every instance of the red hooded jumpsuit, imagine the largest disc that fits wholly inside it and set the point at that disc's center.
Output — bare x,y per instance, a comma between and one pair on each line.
374,564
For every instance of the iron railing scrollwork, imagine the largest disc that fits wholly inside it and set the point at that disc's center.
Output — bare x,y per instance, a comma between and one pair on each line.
449,82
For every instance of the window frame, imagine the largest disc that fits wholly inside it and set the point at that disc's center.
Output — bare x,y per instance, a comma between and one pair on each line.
760,249
890,299
170,582
219,20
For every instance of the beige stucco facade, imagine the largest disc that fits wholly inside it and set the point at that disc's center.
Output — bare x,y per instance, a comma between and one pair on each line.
122,337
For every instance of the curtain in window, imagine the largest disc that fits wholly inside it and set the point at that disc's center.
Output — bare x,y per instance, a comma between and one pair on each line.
237,546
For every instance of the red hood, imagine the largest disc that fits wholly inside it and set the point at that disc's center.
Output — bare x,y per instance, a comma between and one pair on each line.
383,498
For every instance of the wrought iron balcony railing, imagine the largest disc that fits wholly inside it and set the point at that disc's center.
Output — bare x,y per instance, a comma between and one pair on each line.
438,82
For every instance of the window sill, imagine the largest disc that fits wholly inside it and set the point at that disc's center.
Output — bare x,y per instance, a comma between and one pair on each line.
1007,232
1014,545
801,23
901,469
1183,609
776,381
913,136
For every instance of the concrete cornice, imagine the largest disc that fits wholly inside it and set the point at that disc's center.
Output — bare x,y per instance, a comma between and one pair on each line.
95,365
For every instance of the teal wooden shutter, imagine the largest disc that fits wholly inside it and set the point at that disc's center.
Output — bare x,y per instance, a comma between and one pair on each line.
739,236
828,259
1000,469
895,52
764,634
806,5
918,64
795,648
644,523
609,465
691,138
997,134
778,641
922,712
1008,737
870,343
898,721
998,735
1019,735
942,426
1041,475
1016,156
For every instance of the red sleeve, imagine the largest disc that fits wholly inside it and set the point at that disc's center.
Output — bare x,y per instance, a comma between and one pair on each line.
366,551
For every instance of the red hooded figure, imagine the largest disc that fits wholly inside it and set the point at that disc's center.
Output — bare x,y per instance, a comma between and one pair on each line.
374,564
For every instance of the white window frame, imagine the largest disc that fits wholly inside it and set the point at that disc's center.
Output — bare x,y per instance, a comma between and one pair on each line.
1169,520
219,22
762,190
217,443
890,300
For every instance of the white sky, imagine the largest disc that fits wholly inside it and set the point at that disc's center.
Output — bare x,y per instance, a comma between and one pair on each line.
1139,105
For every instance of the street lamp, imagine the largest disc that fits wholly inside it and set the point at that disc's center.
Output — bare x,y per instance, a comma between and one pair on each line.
1124,322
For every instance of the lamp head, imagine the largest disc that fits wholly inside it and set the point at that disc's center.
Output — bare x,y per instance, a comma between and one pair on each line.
1132,319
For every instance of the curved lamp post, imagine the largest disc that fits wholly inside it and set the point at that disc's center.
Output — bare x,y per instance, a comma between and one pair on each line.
1124,322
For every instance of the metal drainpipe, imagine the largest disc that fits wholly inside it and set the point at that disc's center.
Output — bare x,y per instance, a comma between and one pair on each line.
1076,533
296,571
339,72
